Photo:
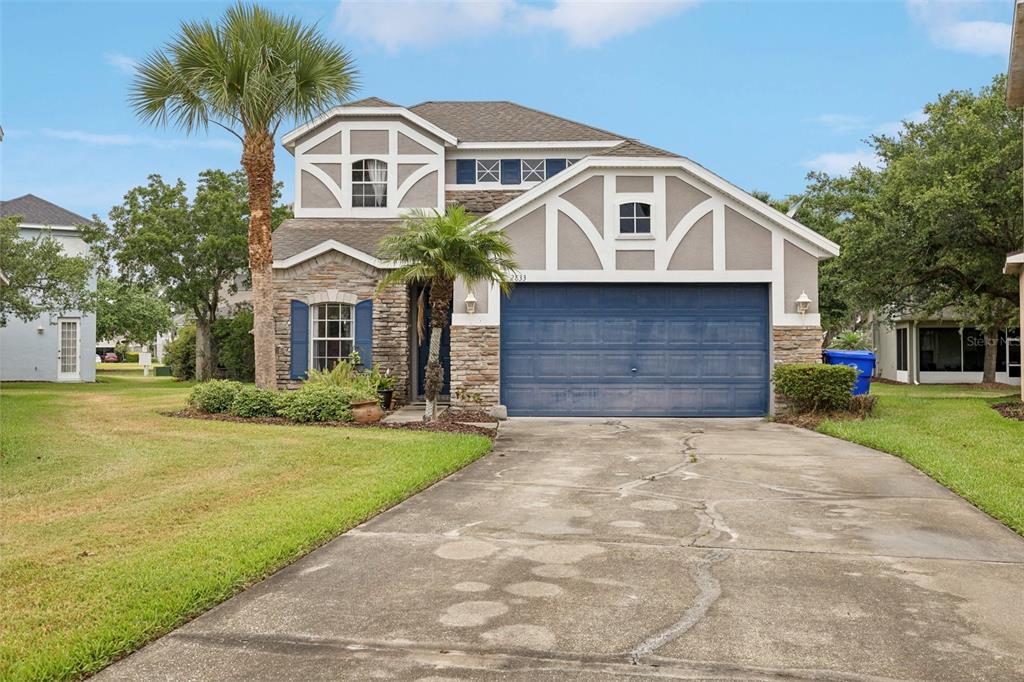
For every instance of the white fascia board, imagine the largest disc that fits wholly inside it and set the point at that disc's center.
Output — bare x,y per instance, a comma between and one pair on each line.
331,245
289,138
593,144
1014,264
826,247
55,228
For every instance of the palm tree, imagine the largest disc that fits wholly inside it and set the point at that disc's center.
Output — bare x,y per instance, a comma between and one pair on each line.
247,73
434,249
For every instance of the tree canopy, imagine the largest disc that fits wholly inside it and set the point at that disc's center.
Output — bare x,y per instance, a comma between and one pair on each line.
130,312
39,276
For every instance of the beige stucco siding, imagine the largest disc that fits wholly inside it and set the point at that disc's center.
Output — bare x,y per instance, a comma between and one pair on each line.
315,193
369,141
634,260
332,145
423,194
459,297
696,249
680,198
748,246
634,183
405,170
588,196
407,145
801,274
528,239
574,249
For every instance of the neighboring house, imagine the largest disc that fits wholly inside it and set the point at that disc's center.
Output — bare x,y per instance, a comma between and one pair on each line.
1015,100
935,350
50,347
648,285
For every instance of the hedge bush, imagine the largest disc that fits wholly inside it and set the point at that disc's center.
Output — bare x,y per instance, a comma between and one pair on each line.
130,357
233,345
180,354
814,388
318,402
214,396
252,402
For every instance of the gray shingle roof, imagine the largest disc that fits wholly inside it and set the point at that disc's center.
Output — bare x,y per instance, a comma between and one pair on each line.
506,122
38,211
634,148
296,235
370,102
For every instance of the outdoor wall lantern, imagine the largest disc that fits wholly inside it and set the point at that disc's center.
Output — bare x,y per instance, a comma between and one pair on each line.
470,303
803,303
39,329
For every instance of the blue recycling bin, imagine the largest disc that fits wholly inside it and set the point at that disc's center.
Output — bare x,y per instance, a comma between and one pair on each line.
863,360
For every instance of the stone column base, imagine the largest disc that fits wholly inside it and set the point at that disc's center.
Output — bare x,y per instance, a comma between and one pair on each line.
476,366
794,344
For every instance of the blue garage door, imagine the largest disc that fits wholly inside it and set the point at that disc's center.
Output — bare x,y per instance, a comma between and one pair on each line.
635,350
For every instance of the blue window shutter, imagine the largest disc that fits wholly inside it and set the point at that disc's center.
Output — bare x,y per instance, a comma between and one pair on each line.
300,340
553,166
510,171
465,171
364,331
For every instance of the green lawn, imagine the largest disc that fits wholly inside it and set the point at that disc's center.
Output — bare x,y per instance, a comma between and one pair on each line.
120,523
952,434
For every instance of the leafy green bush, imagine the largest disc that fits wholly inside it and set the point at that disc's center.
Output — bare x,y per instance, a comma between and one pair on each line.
180,354
130,357
254,402
851,340
317,402
214,396
233,340
813,388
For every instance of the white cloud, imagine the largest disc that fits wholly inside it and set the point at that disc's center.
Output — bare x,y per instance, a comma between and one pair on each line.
892,128
420,23
840,123
121,62
948,28
127,140
841,163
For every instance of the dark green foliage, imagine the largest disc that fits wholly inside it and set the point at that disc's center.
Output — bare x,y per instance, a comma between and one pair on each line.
318,402
233,340
130,357
254,402
130,312
180,354
214,397
815,388
851,340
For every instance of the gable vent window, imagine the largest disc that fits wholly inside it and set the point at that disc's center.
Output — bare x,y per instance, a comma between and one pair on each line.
488,171
369,184
635,218
533,170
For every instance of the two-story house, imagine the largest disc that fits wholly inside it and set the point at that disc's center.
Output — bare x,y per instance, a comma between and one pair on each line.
647,285
50,347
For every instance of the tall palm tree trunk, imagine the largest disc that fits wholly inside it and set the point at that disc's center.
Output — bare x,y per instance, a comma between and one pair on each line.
258,161
440,304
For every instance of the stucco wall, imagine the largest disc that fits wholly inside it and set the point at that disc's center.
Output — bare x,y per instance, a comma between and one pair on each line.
748,246
801,275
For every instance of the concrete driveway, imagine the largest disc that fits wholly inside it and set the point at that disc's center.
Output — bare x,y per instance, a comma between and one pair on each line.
590,549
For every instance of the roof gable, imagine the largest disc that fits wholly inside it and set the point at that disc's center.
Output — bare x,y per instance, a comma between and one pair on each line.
37,211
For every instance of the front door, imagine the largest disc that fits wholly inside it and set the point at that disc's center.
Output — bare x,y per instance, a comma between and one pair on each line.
68,350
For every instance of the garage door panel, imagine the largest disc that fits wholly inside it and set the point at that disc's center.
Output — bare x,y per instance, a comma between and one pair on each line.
571,349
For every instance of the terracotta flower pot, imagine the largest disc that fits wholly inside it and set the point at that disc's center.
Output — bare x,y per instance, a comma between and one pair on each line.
367,412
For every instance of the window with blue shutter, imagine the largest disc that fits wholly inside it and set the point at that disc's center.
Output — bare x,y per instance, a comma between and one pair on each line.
299,340
555,166
364,332
465,171
510,169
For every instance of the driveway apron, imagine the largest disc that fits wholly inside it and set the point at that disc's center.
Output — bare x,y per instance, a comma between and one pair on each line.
606,549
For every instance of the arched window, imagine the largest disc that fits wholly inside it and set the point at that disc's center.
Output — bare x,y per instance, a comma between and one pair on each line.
634,218
370,183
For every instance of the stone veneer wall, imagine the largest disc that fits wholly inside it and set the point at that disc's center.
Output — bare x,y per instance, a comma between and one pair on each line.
796,344
476,363
337,272
480,201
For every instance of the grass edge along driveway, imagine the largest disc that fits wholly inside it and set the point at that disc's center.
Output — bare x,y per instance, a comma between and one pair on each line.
121,524
951,433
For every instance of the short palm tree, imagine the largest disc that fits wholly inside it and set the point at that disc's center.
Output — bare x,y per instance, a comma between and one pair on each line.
247,73
434,249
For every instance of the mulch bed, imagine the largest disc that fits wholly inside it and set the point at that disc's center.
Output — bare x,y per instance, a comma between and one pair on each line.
454,416
438,425
860,408
1011,410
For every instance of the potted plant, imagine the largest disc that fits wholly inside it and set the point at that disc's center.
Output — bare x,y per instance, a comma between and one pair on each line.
367,411
385,387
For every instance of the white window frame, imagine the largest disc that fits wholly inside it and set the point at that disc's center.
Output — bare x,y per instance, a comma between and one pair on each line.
494,170
368,183
75,374
537,168
314,337
634,218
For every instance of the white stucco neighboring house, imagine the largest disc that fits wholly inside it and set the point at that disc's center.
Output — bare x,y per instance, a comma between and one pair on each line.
50,347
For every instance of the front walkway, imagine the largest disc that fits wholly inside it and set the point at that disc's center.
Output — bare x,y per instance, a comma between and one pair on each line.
609,549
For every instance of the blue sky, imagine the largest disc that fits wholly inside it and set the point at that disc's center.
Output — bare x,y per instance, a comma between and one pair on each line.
759,92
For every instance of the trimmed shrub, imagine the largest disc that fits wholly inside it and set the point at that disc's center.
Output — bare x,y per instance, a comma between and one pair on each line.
180,354
214,396
317,402
813,387
252,402
130,357
233,340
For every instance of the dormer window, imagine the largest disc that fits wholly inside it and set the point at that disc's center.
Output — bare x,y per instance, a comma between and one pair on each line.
370,184
634,218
